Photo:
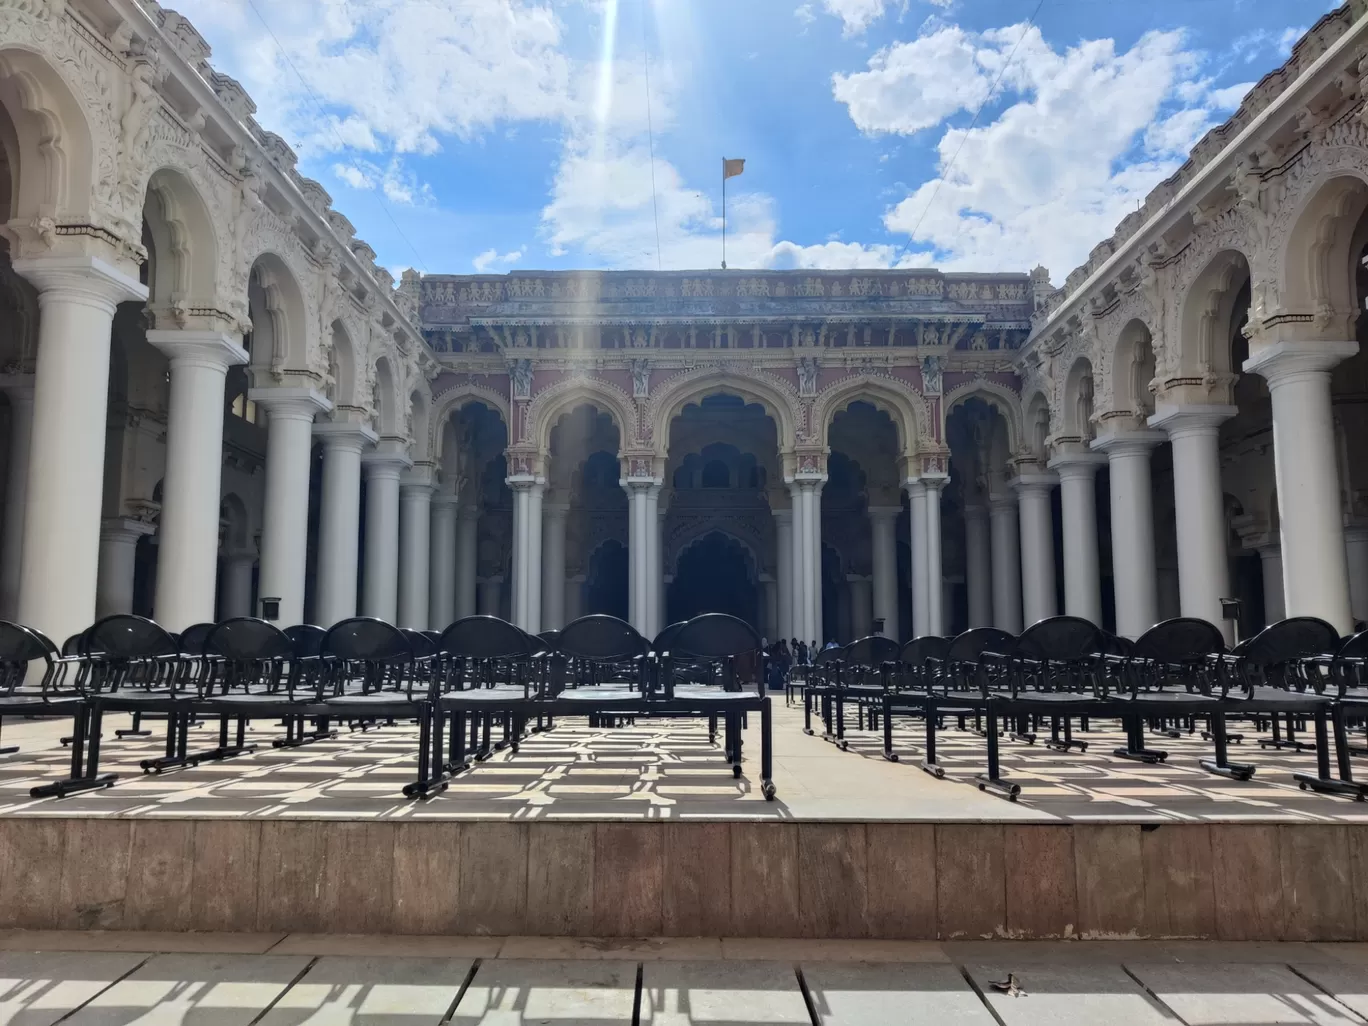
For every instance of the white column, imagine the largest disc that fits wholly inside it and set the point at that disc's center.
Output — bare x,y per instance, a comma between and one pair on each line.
1078,503
921,579
1199,508
1037,546
883,525
1315,578
554,515
807,558
1002,514
643,542
1270,562
783,553
978,568
285,526
574,597
861,606
237,583
1356,559
658,623
527,551
339,526
383,470
57,576
19,389
1134,579
936,583
415,547
491,596
187,558
442,580
118,554
467,556
651,570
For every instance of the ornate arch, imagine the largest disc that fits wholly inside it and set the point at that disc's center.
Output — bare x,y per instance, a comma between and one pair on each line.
692,532
906,408
551,403
269,239
187,257
391,402
777,397
457,397
1002,398
1309,259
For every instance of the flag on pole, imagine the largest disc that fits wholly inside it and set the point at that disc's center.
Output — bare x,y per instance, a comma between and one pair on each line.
732,168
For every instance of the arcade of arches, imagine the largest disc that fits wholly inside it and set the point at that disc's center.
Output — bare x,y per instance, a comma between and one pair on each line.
216,403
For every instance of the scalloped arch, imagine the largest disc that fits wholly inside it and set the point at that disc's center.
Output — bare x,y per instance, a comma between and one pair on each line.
1004,400
456,398
550,404
692,386
906,408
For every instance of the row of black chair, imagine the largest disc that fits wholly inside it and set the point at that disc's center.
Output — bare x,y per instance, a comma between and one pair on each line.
478,672
1064,669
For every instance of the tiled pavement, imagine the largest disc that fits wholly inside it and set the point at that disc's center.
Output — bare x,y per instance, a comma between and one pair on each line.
289,980
667,769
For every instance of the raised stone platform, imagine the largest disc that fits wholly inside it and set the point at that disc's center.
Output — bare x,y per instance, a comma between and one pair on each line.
642,832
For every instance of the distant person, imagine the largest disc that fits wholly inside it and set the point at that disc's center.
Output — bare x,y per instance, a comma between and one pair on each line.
802,653
831,643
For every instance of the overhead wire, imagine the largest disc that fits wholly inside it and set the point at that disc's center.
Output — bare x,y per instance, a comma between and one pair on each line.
650,135
332,126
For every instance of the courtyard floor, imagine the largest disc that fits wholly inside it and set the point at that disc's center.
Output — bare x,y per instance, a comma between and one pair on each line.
103,979
667,769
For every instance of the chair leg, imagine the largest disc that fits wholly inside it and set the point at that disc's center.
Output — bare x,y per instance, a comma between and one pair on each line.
737,745
766,750
889,754
929,762
134,731
1222,766
807,711
85,758
1323,783
1135,744
993,779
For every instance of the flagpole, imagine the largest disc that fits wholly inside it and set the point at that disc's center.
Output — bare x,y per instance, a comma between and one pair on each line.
724,213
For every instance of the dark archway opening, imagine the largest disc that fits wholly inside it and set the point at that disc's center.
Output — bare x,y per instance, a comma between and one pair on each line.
715,575
606,587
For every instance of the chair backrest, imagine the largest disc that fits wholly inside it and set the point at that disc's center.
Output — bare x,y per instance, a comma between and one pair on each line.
419,642
248,639
1183,639
918,650
715,636
125,636
1059,639
192,639
665,639
1290,640
433,636
306,638
367,639
967,647
602,639
72,645
827,655
20,646
874,650
485,637
550,640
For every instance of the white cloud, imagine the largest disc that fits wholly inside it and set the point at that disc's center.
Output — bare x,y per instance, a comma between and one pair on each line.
855,15
803,12
1288,38
1085,134
492,257
1230,97
398,184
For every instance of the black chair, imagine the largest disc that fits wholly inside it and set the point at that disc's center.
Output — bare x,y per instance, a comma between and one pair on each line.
1348,675
309,671
603,671
859,672
489,666
937,671
372,673
52,694
721,652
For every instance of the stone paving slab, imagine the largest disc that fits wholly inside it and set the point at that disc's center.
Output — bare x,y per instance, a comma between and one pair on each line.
1070,995
340,991
860,994
592,992
1349,983
721,994
39,988
1230,995
168,990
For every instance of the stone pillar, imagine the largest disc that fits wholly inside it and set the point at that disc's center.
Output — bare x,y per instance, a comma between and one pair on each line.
491,596
936,584
1356,559
658,623
285,525
58,572
236,597
1270,562
1002,512
1315,578
574,597
1077,473
187,559
527,551
384,467
118,555
1135,581
442,579
643,548
783,545
467,556
861,606
19,389
554,516
806,497
978,565
883,525
339,526
415,547
921,576
1199,508
1037,546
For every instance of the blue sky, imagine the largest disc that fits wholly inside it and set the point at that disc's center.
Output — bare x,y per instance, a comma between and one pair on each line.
464,135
